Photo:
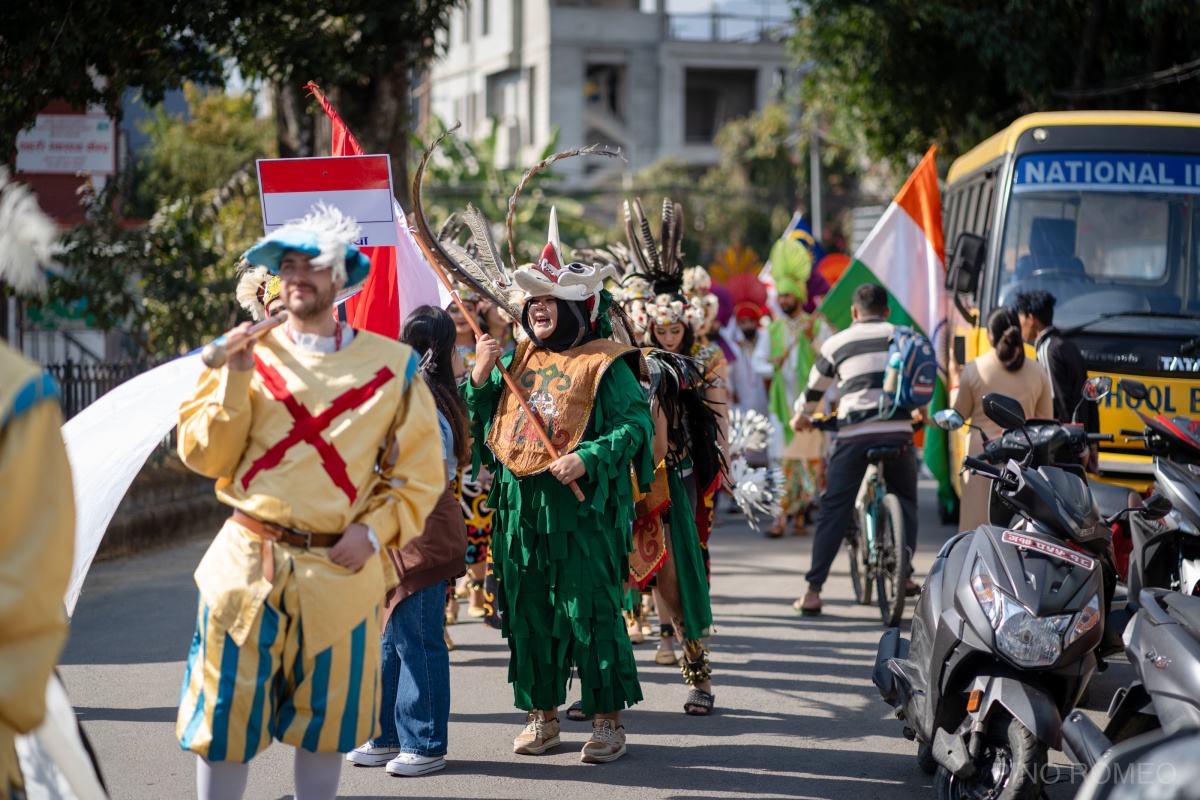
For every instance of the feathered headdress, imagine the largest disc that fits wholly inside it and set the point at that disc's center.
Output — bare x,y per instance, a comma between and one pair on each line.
660,264
256,288
326,236
27,236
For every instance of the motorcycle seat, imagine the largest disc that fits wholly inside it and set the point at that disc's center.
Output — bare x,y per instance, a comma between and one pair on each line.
1185,610
885,453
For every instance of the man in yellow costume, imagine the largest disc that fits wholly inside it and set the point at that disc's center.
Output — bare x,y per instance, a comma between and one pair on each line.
317,437
37,529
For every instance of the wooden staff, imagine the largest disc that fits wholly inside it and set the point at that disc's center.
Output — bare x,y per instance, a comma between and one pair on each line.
538,427
217,352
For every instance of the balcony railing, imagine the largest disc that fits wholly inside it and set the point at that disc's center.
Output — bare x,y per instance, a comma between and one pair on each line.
716,26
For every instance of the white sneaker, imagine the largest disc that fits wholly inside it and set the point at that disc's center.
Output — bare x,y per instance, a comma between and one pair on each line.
367,756
410,765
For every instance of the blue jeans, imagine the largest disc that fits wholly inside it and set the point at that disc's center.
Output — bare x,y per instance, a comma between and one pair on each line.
415,709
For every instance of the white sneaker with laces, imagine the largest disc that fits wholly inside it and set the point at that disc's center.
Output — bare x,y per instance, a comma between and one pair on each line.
368,756
411,765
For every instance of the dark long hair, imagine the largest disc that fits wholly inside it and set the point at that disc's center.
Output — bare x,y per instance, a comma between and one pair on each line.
1005,329
429,329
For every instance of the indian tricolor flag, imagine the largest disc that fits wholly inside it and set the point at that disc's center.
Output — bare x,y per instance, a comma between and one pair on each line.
905,253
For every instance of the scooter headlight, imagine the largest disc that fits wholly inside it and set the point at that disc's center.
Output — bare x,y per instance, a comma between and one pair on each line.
1028,640
1087,619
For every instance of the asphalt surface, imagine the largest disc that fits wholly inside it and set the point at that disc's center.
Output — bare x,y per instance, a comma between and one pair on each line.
797,714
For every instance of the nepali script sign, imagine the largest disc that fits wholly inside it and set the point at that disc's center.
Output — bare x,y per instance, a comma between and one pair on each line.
66,144
1107,172
359,186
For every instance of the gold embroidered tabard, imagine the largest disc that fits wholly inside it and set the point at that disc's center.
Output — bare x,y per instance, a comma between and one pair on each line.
561,390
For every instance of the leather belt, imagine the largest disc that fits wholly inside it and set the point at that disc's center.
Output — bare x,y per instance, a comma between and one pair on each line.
269,532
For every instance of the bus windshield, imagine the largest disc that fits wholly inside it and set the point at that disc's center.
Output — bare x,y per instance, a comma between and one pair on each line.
1113,249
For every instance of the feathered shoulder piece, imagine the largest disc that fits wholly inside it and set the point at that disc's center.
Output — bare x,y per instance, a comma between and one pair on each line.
661,262
249,293
27,236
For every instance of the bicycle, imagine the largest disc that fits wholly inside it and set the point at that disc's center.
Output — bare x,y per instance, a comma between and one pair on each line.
879,559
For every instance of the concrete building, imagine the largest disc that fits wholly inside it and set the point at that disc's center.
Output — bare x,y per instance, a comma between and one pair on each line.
604,71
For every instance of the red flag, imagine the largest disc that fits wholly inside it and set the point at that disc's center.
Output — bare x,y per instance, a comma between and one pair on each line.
377,307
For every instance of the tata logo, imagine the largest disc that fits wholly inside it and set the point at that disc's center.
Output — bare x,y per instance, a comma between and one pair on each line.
1179,364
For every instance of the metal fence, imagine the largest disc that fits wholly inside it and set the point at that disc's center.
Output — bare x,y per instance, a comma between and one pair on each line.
80,385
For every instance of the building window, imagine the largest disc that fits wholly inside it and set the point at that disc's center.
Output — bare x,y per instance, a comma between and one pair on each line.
713,97
485,17
466,24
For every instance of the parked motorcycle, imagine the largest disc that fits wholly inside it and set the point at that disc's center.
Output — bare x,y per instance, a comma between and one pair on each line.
1163,645
1005,631
1166,553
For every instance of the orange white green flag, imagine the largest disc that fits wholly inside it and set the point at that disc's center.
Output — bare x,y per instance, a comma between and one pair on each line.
906,254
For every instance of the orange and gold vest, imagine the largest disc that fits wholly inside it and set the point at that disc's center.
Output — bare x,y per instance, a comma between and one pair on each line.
561,390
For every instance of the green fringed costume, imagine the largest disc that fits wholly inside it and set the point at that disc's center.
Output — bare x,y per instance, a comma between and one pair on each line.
562,564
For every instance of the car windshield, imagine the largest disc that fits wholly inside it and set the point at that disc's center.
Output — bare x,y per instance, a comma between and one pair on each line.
1121,248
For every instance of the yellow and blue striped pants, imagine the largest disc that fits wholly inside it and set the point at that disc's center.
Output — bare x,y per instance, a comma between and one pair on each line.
235,700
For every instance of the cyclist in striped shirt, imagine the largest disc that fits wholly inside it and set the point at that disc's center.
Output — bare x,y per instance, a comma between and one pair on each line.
856,360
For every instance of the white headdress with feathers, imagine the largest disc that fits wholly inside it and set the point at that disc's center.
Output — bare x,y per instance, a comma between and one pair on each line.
27,236
249,286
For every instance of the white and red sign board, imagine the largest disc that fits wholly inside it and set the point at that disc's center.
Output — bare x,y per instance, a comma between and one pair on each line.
67,144
359,186
1050,549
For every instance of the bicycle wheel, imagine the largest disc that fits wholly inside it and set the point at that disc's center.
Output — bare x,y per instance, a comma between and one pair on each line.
860,578
892,570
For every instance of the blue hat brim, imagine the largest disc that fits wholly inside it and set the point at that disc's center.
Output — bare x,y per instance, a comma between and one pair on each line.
269,253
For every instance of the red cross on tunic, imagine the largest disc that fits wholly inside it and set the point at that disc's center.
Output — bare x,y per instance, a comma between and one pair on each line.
307,428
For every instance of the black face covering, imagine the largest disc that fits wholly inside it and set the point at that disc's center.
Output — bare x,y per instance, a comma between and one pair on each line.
571,330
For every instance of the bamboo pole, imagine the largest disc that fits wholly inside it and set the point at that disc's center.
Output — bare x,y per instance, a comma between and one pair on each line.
217,352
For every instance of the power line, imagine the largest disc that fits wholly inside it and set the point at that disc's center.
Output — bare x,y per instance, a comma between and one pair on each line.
1176,74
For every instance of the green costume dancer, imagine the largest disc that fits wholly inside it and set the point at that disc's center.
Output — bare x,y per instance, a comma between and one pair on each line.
561,564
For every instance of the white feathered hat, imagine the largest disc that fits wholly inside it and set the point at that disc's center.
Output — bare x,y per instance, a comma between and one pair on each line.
325,235
256,289
27,236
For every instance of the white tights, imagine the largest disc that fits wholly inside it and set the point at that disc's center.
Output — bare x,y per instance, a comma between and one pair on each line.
316,777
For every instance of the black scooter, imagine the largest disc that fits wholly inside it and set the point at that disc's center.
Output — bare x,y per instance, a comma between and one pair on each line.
1006,628
1166,552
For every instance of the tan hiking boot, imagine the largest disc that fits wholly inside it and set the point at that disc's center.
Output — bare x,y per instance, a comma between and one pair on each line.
607,742
540,734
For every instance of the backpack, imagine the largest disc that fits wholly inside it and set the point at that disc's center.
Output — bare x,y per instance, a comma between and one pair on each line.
911,373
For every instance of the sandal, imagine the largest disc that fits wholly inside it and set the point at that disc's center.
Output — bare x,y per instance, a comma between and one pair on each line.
699,703
808,607
575,712
775,531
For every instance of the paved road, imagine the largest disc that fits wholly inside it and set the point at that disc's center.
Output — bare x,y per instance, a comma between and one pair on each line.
798,714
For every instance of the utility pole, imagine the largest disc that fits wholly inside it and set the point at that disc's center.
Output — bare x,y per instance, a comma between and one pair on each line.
814,172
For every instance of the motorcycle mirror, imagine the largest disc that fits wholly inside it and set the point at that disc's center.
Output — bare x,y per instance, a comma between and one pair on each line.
1097,388
1134,389
1004,411
1156,506
948,419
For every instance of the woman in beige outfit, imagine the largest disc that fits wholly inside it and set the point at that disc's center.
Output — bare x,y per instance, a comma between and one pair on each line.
1003,369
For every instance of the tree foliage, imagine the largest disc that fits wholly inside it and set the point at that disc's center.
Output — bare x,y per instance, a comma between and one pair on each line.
361,53
51,50
891,77
747,198
468,172
172,280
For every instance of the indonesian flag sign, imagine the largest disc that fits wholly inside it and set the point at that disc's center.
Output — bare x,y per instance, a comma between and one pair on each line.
359,186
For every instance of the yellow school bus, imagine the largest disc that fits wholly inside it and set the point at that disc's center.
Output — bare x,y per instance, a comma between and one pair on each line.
1102,210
